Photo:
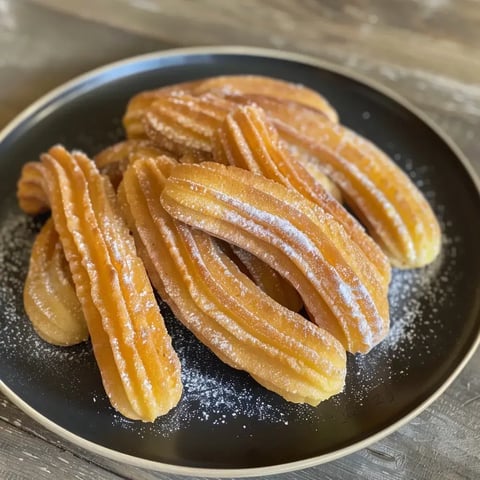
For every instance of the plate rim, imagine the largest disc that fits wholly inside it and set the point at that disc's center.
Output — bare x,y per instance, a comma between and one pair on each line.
135,461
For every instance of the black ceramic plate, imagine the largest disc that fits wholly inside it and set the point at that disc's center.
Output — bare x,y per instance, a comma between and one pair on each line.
226,424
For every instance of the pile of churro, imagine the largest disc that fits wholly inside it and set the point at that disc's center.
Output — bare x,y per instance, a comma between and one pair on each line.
231,197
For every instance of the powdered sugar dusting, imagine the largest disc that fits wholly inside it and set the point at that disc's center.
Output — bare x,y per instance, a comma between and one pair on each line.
416,297
214,394
17,233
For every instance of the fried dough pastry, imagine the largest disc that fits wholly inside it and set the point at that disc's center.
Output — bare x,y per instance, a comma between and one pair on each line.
49,294
290,112
132,119
140,370
299,116
247,140
291,234
380,194
31,195
114,160
185,125
272,87
243,326
222,85
264,276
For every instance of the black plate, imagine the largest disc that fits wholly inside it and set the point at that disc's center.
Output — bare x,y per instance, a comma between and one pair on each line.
226,424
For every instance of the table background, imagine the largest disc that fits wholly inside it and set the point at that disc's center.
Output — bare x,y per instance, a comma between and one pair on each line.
426,50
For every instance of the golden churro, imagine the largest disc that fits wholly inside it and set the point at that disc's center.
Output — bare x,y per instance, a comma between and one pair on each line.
140,370
207,292
31,194
247,139
293,235
49,294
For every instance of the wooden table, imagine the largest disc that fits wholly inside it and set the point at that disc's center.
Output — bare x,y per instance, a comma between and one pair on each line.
426,50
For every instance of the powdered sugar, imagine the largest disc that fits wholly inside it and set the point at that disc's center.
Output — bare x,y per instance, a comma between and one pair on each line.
16,236
214,394
416,297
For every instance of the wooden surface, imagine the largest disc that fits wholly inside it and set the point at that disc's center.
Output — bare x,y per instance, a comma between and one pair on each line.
426,50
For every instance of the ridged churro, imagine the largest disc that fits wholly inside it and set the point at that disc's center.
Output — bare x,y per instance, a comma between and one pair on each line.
31,194
114,160
265,277
272,87
248,140
49,294
392,208
140,371
293,235
186,126
207,292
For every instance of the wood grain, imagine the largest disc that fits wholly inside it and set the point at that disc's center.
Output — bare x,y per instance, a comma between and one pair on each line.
41,49
426,50
419,34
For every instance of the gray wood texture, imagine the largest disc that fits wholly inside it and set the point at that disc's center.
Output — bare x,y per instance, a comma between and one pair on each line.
426,50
